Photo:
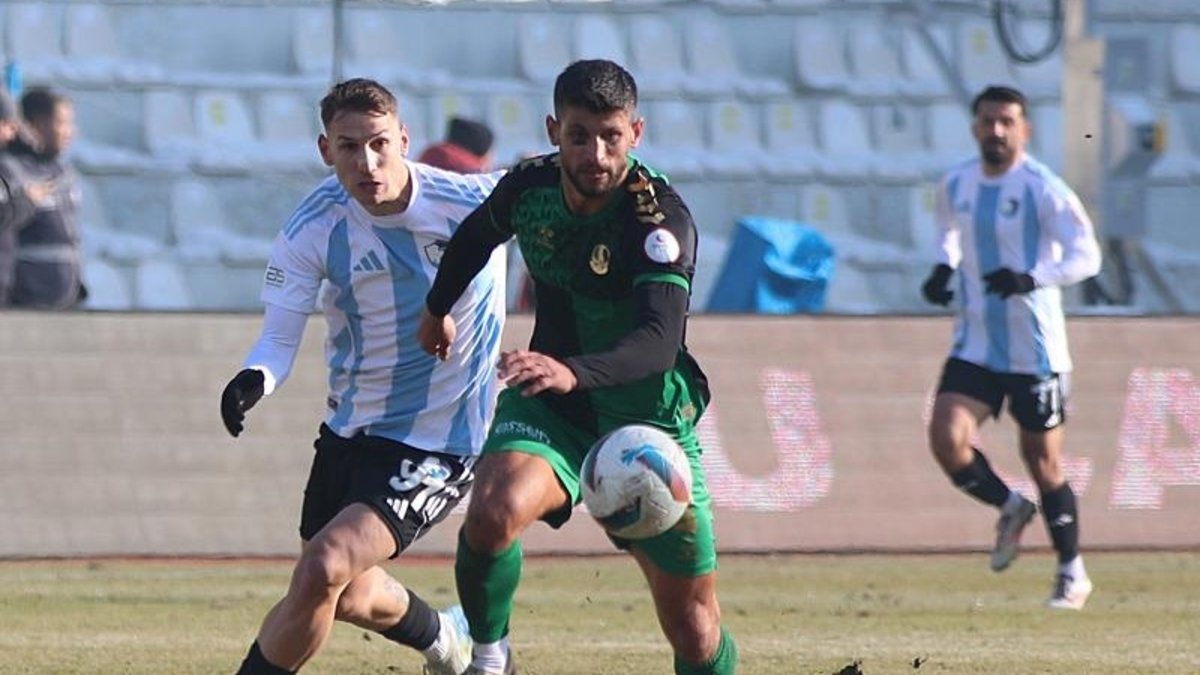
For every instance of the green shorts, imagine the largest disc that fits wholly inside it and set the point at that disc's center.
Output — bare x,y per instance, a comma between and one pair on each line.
527,425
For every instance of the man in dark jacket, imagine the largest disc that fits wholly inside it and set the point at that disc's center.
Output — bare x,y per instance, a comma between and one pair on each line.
48,272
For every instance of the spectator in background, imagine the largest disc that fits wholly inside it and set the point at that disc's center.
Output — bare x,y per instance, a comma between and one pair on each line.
466,149
14,207
48,270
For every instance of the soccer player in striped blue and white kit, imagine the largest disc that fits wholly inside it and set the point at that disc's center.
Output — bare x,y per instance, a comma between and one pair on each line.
402,432
1016,234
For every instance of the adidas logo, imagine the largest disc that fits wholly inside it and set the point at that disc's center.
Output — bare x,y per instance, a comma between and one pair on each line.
369,263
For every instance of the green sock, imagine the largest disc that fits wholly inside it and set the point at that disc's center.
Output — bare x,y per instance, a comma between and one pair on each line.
486,586
724,662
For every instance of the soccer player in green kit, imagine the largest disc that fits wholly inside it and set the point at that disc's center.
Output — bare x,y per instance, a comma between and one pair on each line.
611,248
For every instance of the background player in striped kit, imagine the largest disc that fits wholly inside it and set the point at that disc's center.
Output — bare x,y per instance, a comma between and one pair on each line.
398,445
1016,234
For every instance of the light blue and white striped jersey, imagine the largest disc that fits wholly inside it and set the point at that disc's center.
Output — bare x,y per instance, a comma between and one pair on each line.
1027,220
376,272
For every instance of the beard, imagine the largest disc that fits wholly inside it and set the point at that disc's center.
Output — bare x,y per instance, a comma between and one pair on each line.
587,188
996,154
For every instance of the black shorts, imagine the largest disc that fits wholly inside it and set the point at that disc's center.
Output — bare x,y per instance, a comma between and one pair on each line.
1036,403
411,489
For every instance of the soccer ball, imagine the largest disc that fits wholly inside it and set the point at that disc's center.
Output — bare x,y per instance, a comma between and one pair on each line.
637,482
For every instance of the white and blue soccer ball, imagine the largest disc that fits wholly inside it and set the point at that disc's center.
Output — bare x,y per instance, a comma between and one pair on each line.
636,482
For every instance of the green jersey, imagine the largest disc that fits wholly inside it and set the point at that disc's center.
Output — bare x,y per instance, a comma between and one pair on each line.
586,271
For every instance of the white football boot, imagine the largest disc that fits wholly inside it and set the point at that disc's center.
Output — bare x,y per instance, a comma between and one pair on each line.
1069,592
1008,533
458,648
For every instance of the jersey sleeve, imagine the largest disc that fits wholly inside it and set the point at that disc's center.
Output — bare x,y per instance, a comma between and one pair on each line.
1072,230
293,276
949,242
661,240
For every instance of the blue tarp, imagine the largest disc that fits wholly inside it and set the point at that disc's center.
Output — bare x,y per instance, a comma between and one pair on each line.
773,266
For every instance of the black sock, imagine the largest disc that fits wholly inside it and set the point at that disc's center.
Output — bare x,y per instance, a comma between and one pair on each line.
1062,521
257,664
419,626
979,481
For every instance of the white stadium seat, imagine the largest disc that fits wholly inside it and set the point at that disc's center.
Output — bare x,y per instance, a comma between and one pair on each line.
543,48
107,286
845,140
819,46
656,55
160,284
874,55
791,139
735,140
598,36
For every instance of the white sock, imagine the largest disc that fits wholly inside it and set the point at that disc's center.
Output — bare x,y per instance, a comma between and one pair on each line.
441,644
1014,500
1073,568
492,656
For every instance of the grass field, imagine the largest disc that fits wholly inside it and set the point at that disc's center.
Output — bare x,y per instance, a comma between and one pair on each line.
791,615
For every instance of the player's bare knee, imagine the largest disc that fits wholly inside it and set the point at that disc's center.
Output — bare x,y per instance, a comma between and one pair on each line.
322,570
696,640
492,529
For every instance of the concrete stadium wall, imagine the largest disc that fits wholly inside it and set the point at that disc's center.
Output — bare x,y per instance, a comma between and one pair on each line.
112,442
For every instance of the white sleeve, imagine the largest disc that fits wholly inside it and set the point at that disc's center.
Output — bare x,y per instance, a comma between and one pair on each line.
276,349
949,242
294,273
1073,232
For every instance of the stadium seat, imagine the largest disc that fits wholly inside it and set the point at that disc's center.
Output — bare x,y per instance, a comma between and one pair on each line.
1184,48
981,59
924,77
518,126
225,128
169,130
735,140
792,150
874,57
543,48
656,55
845,139
93,53
819,46
375,52
202,231
899,141
824,207
287,136
598,36
312,41
34,39
674,138
713,64
160,284
107,285
950,139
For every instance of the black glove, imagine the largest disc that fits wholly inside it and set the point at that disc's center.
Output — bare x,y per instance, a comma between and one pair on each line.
1005,282
240,395
935,287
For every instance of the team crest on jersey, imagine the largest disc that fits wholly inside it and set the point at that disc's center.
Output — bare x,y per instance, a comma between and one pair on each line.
600,259
661,246
1009,208
435,250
